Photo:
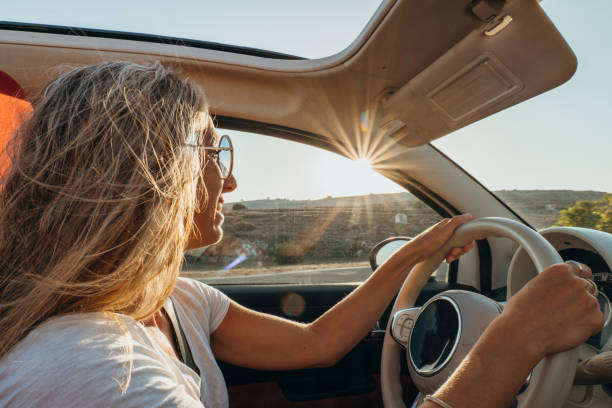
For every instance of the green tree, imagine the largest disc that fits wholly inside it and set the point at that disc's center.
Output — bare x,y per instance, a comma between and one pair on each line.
582,214
605,222
595,214
605,212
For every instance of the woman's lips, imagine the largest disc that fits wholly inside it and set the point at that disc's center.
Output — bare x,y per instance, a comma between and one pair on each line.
220,204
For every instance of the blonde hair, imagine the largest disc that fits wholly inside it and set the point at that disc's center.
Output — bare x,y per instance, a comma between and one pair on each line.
98,203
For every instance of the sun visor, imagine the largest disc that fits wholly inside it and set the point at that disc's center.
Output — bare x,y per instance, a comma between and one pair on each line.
512,58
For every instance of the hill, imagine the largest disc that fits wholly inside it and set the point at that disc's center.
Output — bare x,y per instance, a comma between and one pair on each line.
345,228
541,207
349,201
525,202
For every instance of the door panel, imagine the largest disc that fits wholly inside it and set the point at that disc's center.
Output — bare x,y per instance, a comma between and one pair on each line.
352,382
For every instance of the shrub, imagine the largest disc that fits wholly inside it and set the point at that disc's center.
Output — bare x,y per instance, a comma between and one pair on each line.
589,214
337,253
244,226
239,206
288,253
355,248
253,215
283,236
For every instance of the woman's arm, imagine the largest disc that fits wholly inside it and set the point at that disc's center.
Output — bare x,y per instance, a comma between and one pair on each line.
261,341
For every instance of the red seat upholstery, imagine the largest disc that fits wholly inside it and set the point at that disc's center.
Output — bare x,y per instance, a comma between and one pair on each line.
14,106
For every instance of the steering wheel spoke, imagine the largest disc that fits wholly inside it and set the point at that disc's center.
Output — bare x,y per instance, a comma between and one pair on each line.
402,324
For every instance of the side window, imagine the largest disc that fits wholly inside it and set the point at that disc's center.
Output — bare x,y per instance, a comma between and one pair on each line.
303,215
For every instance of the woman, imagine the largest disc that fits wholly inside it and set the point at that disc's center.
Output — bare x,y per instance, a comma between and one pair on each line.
112,178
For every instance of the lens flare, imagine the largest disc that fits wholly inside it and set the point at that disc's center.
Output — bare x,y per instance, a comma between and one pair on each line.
364,121
241,258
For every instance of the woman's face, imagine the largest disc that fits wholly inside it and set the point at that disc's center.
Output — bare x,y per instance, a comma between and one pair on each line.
208,221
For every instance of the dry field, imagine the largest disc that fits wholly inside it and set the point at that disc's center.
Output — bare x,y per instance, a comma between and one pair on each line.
339,232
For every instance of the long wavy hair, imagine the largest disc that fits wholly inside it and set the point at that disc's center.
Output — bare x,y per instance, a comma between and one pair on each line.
98,203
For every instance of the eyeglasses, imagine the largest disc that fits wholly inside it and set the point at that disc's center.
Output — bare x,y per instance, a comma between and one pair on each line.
223,154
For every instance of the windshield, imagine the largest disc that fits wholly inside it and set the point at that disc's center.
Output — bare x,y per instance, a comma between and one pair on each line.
304,215
555,148
310,29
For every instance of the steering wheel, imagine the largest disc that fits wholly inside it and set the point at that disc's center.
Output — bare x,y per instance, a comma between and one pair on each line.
550,380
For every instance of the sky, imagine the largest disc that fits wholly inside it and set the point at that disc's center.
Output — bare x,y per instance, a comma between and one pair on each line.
558,140
561,139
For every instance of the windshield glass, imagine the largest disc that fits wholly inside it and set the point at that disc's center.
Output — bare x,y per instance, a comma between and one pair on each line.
304,215
310,29
546,154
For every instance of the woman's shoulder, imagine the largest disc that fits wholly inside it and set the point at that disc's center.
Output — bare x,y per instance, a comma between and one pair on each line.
66,337
92,359
203,305
192,287
70,335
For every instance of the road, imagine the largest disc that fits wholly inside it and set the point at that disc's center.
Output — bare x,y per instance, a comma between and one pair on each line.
308,276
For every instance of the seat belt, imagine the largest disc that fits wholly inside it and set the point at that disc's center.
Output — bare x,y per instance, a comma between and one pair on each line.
179,336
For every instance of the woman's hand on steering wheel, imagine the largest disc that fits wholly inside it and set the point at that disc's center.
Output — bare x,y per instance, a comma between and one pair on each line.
556,310
434,238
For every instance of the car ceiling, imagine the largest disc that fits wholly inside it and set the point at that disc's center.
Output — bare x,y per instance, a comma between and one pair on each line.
418,71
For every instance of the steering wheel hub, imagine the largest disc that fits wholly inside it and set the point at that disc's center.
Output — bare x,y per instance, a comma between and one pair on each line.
439,335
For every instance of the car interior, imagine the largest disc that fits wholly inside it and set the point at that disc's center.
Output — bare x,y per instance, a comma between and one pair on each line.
418,71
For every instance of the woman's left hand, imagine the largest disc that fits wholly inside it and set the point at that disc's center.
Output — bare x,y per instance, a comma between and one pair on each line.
434,238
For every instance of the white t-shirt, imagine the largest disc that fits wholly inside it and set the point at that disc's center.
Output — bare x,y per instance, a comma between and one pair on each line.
84,360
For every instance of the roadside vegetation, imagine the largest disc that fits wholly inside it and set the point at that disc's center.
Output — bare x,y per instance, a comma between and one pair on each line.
595,214
267,234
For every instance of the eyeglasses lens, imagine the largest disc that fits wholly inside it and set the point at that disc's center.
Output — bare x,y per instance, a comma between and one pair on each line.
225,156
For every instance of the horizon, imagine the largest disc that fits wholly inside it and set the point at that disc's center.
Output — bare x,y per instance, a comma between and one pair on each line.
241,201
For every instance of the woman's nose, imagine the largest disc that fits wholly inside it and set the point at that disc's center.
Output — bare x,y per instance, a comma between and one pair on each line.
230,184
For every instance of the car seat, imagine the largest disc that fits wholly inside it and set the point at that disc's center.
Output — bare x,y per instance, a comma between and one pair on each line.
14,107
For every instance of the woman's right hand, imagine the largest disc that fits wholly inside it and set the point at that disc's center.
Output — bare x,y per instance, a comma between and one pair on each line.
555,311
552,313
434,238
